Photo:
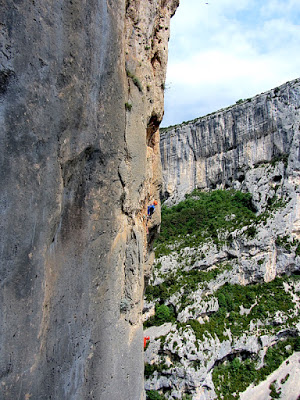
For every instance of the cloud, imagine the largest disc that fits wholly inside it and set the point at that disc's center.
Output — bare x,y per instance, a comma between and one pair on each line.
228,50
290,8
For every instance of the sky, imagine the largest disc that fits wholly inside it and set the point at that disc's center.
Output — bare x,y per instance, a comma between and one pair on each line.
228,50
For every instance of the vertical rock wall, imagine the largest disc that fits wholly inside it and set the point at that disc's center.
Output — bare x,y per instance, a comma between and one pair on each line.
81,99
218,149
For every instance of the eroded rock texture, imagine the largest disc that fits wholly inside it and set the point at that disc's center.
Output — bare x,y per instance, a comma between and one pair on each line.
215,150
81,99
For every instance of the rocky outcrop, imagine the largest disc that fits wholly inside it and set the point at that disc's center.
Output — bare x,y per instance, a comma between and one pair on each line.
81,99
215,150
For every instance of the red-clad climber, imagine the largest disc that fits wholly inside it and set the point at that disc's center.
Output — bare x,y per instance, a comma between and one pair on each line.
146,338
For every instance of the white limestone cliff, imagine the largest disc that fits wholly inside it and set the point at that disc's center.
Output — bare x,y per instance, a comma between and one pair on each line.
215,150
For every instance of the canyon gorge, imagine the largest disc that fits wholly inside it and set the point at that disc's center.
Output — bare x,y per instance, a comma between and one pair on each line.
222,305
81,100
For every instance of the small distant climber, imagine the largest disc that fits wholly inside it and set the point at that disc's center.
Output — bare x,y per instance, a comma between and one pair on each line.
146,338
151,209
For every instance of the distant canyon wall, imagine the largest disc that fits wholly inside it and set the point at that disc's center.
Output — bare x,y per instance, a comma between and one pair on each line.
217,150
252,146
81,99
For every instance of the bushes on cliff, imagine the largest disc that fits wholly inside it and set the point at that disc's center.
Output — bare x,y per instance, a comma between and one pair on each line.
272,295
154,395
204,216
163,314
135,80
189,280
234,376
263,299
151,368
288,244
215,326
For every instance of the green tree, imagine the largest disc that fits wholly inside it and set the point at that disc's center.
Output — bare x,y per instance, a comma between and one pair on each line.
162,314
154,395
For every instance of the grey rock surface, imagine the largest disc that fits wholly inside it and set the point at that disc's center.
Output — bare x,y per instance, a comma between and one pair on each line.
78,170
156,331
217,150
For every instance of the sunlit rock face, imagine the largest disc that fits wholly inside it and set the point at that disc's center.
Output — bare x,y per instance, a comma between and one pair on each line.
81,99
218,149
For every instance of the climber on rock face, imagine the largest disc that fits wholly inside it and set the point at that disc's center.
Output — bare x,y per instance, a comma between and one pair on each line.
146,339
151,209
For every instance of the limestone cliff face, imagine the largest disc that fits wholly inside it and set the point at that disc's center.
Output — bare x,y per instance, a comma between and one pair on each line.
81,100
215,150
228,287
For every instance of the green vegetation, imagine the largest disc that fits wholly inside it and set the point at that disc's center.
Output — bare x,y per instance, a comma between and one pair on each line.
154,395
297,251
203,216
210,217
215,326
288,243
235,376
265,299
135,80
128,106
150,368
274,393
283,380
163,314
187,281
282,157
274,203
274,161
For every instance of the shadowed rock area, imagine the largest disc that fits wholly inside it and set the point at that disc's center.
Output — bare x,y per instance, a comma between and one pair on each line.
81,100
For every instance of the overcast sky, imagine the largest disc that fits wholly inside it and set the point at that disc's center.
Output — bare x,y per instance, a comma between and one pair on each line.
228,50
